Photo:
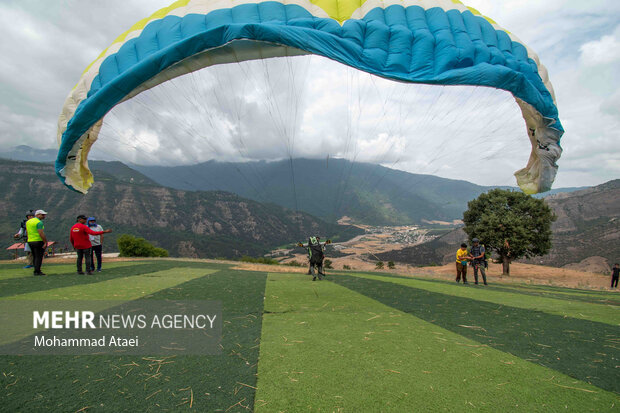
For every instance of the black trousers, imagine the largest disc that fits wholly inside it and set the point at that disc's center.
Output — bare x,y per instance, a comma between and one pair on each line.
37,255
614,282
84,254
95,252
318,261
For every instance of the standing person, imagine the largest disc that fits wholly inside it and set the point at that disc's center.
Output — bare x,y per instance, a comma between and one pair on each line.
81,242
97,244
316,256
23,234
478,257
615,274
462,255
37,241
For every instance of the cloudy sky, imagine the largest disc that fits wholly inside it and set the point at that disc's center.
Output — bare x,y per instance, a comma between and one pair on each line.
308,106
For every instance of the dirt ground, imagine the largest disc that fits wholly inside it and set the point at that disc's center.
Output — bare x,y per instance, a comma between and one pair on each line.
519,273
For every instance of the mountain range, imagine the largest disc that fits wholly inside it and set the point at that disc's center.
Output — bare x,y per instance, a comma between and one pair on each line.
187,223
186,210
330,189
367,193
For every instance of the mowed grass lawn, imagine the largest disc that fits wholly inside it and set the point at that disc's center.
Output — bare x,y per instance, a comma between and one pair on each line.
355,342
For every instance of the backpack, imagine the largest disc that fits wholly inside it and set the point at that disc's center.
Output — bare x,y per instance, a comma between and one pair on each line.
314,247
25,231
475,251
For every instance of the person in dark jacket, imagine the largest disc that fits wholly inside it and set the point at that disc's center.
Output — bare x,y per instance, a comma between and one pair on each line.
23,234
615,274
478,254
316,255
81,242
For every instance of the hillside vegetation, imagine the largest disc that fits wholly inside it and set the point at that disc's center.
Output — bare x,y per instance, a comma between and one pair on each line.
367,193
188,224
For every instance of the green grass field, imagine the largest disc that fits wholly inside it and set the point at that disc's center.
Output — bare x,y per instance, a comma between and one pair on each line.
355,342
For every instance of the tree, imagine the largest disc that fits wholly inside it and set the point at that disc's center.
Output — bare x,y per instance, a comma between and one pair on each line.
328,264
391,265
379,265
511,223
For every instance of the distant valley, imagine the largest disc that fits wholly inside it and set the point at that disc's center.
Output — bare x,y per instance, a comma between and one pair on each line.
586,235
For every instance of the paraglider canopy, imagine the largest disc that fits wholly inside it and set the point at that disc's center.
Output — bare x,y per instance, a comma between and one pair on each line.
439,42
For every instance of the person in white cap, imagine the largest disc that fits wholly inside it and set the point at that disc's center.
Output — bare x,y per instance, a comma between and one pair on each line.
37,239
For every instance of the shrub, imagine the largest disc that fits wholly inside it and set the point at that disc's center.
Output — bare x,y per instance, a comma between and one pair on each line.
259,260
346,267
130,246
294,264
379,265
391,265
328,264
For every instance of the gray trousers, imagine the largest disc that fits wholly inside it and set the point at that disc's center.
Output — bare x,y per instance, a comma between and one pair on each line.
479,266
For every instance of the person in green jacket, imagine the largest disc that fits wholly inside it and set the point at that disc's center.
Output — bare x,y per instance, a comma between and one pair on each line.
37,241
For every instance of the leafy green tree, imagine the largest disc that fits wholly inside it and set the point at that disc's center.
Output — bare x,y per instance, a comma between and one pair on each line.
130,246
391,265
379,265
346,267
511,223
328,264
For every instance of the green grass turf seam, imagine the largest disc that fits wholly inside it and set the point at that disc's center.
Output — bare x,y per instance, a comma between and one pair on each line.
326,348
134,383
55,269
560,293
582,349
566,308
25,285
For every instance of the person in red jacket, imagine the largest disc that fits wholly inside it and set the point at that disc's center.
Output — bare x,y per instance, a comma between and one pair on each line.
81,242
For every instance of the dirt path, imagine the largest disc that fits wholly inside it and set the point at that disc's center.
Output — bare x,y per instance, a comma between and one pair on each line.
520,273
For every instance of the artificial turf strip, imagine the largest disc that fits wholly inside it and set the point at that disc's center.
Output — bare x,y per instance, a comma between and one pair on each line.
7,271
120,288
328,348
99,294
563,290
24,285
598,297
594,297
132,383
561,293
566,308
583,349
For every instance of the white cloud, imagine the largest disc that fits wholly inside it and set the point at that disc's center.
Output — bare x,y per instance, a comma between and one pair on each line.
600,52
319,107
